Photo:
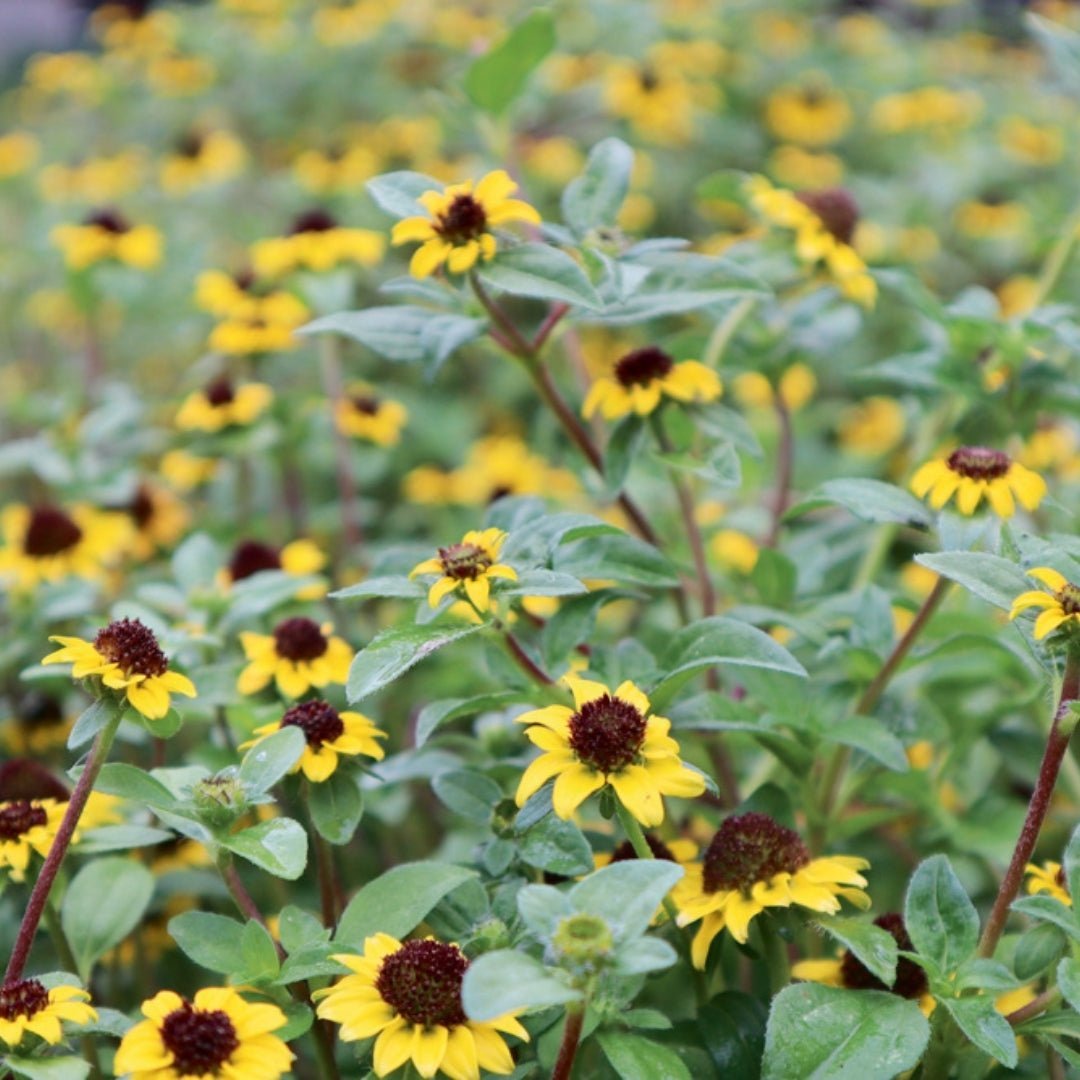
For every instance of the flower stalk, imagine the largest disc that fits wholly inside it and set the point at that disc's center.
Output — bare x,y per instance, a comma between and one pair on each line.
575,1020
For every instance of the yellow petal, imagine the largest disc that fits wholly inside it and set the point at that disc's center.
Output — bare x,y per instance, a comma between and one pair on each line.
573,787
1049,577
428,1047
1049,621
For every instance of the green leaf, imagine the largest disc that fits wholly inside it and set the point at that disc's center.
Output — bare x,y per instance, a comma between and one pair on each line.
940,918
50,1068
634,1057
438,713
1068,980
1037,949
622,450
271,758
91,721
503,981
399,588
541,582
573,623
131,782
278,846
1071,863
713,641
1061,45
775,577
989,577
298,928
825,1033
470,794
875,948
557,846
626,894
214,942
196,561
732,1028
869,500
393,652
542,272
617,556
406,334
121,838
871,736
336,805
1049,910
397,901
984,1026
102,905
594,198
259,953
499,76
397,192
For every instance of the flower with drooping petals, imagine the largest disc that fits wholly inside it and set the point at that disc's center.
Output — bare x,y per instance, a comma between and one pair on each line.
643,378
1060,606
970,472
468,566
1048,879
27,1007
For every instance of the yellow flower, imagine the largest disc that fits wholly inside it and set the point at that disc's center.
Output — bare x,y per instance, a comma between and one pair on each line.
176,75
337,171
752,864
159,519
186,471
872,427
37,724
1059,606
1033,144
795,388
794,166
343,24
408,996
970,472
126,656
45,544
98,180
329,735
200,160
219,1034
27,826
316,242
810,115
643,378
990,218
657,99
469,565
18,152
734,549
297,656
1048,878
106,236
362,415
27,1007
926,107
458,231
608,738
220,404
300,558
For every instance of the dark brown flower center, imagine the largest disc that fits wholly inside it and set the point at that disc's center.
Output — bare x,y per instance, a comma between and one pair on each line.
643,366
749,848
299,639
979,462
244,279
607,733
141,507
109,220
1069,598
365,404
837,209
50,532
464,562
657,846
190,144
219,392
1060,879
200,1040
318,720
22,999
19,817
910,978
313,221
463,220
648,80
22,778
251,557
422,981
132,646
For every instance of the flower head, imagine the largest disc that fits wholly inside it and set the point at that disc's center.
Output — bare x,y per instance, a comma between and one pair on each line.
126,656
608,738
158,518
970,472
643,378
330,734
1060,606
754,863
37,724
218,1035
106,236
1049,879
318,243
298,655
300,558
809,115
458,231
221,404
469,567
409,997
364,415
27,1007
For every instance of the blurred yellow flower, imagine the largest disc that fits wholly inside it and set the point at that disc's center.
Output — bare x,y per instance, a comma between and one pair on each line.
970,472
316,242
469,566
810,114
642,379
106,236
872,427
220,404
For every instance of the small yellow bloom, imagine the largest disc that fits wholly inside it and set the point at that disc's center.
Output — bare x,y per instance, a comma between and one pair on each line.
458,232
809,115
643,378
991,218
220,404
796,167
795,388
27,827
1049,879
334,172
734,549
608,738
201,160
330,735
186,471
920,754
1059,607
971,472
469,566
299,655
36,725
1032,144
872,427
300,558
126,656
316,242
363,415
159,519
28,1008
659,101
105,236
18,152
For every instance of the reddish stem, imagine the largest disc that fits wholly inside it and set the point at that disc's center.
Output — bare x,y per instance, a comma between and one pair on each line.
552,319
564,1063
525,662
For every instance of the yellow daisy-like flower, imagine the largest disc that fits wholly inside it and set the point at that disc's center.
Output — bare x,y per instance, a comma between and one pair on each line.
363,415
1059,606
1049,879
218,1035
970,472
47,543
468,566
811,115
795,388
643,378
106,236
27,1007
202,159
335,171
658,101
300,558
298,655
752,864
126,656
458,231
18,152
874,426
27,826
316,242
186,471
608,738
329,735
220,404
408,996
735,549
37,724
159,519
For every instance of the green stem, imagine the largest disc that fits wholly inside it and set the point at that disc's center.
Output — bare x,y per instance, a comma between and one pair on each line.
776,955
724,331
1057,258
